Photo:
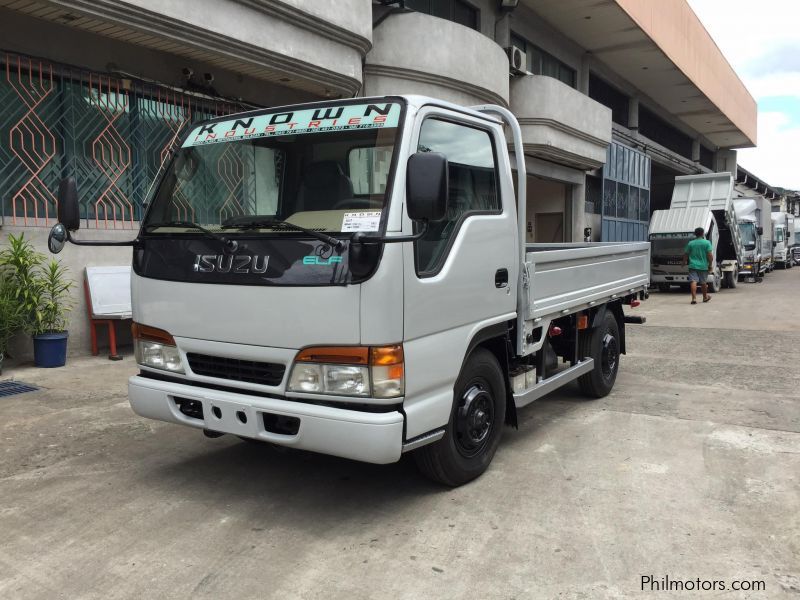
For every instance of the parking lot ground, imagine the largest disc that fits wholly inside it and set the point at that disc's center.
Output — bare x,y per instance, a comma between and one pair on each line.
689,469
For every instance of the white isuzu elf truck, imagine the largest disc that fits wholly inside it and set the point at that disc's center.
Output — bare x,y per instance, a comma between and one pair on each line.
352,278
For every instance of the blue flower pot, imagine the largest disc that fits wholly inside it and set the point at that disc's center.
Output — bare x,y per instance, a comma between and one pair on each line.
50,349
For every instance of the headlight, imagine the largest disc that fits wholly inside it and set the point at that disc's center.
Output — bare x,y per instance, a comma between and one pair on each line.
156,348
349,371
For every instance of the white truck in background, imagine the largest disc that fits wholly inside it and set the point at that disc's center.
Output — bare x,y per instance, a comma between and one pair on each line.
303,305
783,231
705,201
755,241
669,232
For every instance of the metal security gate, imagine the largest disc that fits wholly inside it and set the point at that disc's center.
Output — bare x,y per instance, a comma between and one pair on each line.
626,195
110,133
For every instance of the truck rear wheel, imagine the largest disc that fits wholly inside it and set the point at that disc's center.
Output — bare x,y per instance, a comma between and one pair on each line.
476,424
602,344
731,279
716,282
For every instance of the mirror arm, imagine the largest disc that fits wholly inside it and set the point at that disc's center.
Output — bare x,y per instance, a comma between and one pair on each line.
100,242
361,238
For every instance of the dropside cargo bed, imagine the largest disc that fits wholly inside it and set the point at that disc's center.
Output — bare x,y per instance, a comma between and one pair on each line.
565,278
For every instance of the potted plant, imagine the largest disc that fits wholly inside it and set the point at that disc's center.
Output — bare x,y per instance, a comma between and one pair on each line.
49,324
11,315
43,293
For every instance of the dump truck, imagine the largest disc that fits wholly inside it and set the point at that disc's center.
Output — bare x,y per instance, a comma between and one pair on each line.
669,233
706,201
351,277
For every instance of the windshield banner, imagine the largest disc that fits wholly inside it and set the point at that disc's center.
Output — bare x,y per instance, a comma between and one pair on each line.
311,120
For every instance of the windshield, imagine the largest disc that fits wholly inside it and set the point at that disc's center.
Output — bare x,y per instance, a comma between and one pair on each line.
748,231
325,168
670,246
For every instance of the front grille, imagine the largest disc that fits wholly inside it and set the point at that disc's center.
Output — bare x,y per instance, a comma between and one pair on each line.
236,370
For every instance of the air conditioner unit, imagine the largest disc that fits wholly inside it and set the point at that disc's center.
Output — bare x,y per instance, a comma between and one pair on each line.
517,61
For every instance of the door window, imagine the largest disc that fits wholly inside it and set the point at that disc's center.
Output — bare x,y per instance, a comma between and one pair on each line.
473,185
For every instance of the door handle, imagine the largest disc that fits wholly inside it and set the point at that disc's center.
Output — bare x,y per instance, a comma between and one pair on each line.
501,278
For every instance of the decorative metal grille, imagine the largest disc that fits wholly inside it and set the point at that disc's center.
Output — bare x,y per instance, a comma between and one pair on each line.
110,133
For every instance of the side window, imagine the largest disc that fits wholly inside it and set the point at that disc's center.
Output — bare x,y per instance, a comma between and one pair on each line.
473,184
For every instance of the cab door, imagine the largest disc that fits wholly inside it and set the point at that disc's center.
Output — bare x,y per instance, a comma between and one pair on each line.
461,277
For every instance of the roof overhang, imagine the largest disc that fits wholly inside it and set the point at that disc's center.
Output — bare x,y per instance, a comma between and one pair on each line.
662,49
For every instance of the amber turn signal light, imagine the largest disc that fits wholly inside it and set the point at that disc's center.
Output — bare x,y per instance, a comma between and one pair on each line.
153,334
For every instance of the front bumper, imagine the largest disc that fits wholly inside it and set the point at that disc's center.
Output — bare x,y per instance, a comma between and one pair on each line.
368,437
671,278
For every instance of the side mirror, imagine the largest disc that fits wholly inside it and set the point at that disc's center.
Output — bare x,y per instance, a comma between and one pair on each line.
68,210
427,186
774,243
57,238
760,231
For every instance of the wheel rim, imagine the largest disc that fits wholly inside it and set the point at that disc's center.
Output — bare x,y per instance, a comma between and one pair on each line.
474,420
610,356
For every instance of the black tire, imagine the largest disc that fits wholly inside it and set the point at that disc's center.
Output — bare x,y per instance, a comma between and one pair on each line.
603,344
730,279
476,424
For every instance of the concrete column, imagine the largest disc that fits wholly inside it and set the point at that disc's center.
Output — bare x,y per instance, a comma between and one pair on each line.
725,161
583,74
696,150
502,31
577,217
633,114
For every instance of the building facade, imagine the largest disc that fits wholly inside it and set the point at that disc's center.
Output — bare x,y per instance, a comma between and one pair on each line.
614,97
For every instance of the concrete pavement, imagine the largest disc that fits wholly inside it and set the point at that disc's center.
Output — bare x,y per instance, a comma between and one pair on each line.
689,469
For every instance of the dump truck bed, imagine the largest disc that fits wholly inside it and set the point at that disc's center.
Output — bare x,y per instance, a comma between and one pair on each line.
565,278
713,192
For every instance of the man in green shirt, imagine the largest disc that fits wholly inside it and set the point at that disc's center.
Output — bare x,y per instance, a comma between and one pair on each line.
698,254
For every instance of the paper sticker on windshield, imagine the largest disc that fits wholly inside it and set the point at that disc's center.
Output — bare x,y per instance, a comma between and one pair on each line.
361,221
311,120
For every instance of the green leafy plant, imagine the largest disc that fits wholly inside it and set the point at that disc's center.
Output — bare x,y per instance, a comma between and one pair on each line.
12,317
53,301
42,287
20,262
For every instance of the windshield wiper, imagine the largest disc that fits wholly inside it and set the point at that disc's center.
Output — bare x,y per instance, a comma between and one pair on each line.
230,244
280,224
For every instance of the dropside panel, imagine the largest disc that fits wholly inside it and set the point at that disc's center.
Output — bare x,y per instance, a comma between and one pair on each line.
567,276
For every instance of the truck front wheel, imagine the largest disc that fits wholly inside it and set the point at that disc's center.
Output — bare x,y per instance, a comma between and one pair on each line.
475,427
602,344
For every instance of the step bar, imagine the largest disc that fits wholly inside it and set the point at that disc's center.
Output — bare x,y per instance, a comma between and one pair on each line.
553,383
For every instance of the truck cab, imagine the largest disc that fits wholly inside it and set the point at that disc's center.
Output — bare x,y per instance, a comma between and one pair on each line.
670,231
782,239
756,258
